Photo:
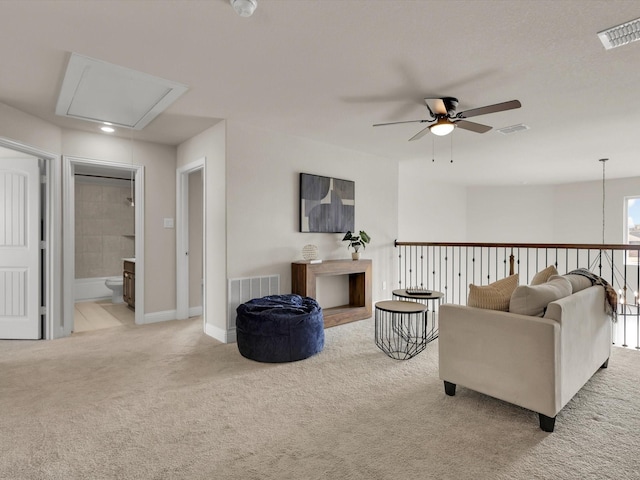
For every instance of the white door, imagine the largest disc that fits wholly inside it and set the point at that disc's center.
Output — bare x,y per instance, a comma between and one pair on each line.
19,249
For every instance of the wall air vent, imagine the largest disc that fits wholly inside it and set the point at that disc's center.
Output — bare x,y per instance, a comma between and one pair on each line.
621,34
102,92
512,129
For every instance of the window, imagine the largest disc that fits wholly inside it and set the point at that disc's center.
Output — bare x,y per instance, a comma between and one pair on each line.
632,228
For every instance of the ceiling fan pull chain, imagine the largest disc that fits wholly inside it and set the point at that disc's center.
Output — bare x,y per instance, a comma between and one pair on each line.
433,149
451,149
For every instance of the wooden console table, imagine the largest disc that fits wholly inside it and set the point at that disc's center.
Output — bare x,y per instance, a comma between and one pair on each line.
303,282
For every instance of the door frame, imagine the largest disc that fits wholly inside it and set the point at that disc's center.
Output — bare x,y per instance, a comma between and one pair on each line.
51,214
182,237
68,203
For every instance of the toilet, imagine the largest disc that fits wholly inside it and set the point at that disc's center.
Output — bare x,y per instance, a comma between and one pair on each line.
115,285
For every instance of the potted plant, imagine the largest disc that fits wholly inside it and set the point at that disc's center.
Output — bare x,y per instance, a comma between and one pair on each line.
356,241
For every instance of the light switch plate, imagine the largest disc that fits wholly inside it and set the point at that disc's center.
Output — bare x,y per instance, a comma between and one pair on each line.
168,223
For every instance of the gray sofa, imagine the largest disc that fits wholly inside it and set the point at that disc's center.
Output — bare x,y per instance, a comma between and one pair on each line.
538,363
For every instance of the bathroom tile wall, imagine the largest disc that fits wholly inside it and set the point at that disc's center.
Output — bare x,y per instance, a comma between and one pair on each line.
105,226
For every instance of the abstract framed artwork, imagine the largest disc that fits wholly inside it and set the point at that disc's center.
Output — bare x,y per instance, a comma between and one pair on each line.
327,204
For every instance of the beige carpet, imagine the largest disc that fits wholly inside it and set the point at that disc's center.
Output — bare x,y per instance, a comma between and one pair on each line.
164,401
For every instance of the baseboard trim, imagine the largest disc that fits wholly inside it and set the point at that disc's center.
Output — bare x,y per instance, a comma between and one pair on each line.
156,317
224,336
195,311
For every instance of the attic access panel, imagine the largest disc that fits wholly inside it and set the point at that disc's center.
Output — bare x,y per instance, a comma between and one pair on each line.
102,92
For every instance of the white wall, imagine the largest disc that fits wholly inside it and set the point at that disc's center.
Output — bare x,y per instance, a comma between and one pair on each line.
565,213
429,211
29,130
263,204
521,214
579,210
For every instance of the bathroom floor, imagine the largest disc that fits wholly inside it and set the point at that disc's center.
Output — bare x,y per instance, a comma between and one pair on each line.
99,314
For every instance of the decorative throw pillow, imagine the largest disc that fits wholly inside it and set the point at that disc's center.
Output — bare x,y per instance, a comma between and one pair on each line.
578,282
532,300
543,275
495,296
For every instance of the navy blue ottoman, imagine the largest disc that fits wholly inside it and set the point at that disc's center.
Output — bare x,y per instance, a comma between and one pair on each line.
280,328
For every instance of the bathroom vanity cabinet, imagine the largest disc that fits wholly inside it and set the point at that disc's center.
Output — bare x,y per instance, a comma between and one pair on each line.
129,283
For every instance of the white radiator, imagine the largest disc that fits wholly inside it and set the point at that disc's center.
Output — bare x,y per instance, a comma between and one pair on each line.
241,290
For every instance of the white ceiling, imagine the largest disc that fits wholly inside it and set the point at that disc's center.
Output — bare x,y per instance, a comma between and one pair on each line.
329,69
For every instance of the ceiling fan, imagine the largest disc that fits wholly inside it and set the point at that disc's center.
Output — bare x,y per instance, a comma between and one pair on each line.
444,119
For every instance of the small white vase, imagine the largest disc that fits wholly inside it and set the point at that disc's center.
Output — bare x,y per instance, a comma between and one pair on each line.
355,255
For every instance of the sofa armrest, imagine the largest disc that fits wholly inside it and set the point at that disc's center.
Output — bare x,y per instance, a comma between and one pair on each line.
508,356
586,336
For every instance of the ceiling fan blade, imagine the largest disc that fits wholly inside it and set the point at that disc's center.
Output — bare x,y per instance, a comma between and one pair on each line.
429,108
439,106
472,126
498,107
396,123
420,134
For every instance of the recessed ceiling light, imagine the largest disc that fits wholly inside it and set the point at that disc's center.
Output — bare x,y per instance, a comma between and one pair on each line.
620,34
107,129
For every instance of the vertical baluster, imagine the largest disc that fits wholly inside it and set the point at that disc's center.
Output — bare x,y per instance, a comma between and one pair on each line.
460,275
422,266
512,267
546,257
488,265
473,265
433,267
446,273
432,249
400,266
600,262
466,273
411,267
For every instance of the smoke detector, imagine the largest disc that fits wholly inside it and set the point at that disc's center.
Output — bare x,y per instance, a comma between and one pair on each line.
244,8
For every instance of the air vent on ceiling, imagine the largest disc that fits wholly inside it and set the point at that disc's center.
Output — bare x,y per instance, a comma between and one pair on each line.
621,34
512,129
102,92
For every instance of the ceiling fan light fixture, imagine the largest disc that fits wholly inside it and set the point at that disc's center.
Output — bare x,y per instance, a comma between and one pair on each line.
244,8
442,127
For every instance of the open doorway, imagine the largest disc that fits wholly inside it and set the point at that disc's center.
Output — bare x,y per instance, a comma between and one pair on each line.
190,252
103,236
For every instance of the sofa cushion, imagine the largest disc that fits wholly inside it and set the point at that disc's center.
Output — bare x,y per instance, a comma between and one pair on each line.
532,300
495,296
543,275
578,282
